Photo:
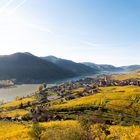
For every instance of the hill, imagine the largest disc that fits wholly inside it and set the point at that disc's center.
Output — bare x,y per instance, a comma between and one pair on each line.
111,68
130,67
77,68
25,67
80,112
135,74
104,67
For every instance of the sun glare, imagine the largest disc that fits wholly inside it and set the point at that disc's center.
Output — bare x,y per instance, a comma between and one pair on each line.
13,29
18,32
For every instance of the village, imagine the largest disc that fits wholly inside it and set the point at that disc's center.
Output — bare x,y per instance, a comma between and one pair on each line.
64,92
6,83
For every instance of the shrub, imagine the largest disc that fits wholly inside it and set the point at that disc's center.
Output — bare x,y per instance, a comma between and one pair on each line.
36,131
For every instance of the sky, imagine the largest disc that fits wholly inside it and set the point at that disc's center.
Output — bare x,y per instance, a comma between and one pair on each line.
98,31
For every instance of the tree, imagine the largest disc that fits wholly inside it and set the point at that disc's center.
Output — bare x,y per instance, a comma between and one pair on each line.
21,105
36,131
45,85
40,88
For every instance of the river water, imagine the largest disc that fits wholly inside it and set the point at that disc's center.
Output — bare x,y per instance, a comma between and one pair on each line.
9,94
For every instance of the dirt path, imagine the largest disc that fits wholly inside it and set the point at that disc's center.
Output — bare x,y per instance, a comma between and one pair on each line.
53,97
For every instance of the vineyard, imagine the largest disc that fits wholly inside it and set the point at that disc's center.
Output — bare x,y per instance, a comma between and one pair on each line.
80,113
70,130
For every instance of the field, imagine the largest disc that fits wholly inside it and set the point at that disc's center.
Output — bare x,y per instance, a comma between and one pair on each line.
13,131
70,130
108,113
109,97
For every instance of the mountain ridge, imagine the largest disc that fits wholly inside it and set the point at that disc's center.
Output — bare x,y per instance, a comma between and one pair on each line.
26,67
97,67
78,68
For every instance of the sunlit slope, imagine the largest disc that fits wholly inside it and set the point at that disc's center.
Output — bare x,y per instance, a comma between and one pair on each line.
55,130
66,130
117,132
13,113
116,98
15,109
13,131
17,103
134,74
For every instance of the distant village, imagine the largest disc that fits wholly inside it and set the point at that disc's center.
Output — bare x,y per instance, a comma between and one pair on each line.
89,86
65,91
6,83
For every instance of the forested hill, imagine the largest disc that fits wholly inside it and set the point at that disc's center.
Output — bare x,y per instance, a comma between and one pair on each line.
77,68
25,67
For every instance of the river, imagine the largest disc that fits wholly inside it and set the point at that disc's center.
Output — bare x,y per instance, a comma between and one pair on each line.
9,94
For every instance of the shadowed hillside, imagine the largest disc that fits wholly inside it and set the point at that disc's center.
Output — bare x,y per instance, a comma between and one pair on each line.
77,68
104,67
25,67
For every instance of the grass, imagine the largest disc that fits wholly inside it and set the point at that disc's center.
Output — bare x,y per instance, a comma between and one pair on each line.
13,113
57,130
13,131
17,103
116,132
124,133
68,130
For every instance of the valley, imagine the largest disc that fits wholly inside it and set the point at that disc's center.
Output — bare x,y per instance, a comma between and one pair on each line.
69,70
105,107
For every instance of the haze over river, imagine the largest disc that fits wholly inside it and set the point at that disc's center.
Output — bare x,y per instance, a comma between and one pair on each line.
9,94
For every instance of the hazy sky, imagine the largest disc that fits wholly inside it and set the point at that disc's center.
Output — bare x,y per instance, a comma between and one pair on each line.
100,31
